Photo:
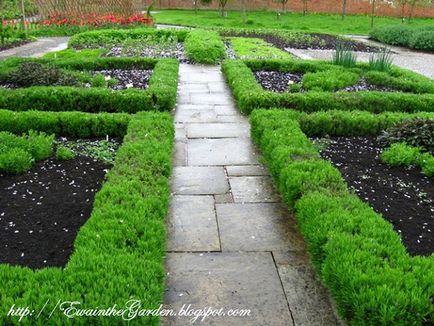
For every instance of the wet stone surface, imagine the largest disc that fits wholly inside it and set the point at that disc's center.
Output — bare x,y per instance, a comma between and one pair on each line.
404,196
175,50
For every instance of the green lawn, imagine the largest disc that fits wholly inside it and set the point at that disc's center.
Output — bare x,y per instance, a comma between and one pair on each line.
289,21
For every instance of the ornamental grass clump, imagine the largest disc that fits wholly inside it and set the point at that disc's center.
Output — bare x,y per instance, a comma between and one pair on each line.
344,56
381,61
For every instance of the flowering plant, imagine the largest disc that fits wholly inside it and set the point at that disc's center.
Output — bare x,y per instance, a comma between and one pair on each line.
95,19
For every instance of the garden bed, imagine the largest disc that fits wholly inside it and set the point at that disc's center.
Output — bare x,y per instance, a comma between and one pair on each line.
359,255
70,84
403,196
118,253
280,82
326,86
313,41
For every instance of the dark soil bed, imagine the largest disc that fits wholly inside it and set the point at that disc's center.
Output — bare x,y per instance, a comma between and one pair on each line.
311,41
42,210
405,197
279,82
128,78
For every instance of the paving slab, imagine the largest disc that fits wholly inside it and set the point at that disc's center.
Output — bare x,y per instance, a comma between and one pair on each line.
231,118
205,115
180,133
199,181
309,300
192,224
223,198
246,170
180,154
257,227
228,281
217,130
213,98
254,189
224,151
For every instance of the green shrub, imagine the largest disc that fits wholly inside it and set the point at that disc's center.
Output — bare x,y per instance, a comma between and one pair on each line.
38,74
423,40
63,153
399,154
204,47
15,161
358,254
39,145
344,56
329,80
415,132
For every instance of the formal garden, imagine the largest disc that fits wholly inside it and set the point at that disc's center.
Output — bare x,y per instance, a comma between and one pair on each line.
202,166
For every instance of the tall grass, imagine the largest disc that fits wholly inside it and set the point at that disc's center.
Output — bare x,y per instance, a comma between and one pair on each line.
381,61
344,56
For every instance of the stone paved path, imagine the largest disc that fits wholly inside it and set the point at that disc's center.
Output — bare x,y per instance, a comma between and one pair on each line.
231,242
402,57
38,48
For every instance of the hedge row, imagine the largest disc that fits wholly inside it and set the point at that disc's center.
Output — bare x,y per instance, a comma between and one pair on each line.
112,36
160,94
119,252
420,38
352,123
204,47
70,124
250,95
358,255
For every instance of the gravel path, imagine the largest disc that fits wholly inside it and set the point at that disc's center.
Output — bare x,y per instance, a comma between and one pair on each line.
36,49
405,58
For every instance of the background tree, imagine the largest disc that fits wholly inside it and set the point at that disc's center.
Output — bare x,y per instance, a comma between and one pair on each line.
222,6
417,3
243,11
373,7
344,8
305,3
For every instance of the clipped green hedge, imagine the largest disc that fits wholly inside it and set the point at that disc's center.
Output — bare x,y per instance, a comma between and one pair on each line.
249,94
118,253
160,94
101,38
420,38
71,124
204,47
357,253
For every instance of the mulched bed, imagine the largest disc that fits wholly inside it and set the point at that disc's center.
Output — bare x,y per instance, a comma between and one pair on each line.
404,196
137,78
279,82
313,41
42,210
151,51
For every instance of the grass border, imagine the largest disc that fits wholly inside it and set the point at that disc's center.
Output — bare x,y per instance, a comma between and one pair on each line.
358,255
118,253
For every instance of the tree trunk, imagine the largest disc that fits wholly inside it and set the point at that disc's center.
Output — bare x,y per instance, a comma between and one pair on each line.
372,13
344,8
410,14
195,6
243,11
402,12
23,16
304,7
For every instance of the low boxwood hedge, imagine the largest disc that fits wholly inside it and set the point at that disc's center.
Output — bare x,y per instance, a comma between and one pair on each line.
357,253
71,124
249,94
118,254
204,47
160,95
